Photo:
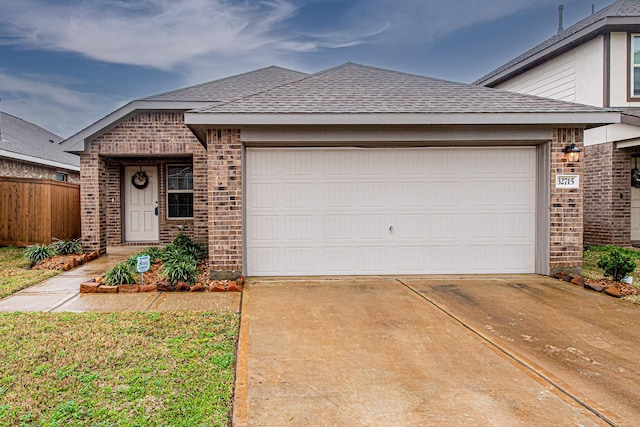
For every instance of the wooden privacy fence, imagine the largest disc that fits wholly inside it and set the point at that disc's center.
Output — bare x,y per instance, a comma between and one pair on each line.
34,211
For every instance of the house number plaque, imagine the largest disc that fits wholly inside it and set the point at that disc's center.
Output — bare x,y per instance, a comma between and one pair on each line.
567,181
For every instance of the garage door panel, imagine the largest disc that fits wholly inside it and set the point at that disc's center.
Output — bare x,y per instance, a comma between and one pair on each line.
298,195
264,227
336,194
484,258
519,194
446,226
372,259
337,227
409,227
299,260
265,195
517,258
444,194
413,259
298,227
518,226
328,211
371,227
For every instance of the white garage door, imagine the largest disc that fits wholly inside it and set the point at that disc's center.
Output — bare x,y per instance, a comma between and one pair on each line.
390,211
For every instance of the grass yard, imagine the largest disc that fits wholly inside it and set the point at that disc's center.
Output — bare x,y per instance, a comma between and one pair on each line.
14,274
122,369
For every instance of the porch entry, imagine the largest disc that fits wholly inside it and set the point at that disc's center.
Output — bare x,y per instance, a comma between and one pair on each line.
141,204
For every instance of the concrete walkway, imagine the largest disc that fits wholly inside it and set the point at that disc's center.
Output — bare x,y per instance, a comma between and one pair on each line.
62,293
485,351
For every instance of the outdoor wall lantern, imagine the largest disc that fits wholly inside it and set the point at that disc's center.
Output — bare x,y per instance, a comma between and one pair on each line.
572,153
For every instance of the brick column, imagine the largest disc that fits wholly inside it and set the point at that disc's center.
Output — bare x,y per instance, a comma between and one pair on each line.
566,220
607,207
224,153
93,176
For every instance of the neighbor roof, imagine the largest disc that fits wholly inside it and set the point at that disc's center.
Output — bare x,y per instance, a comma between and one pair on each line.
355,88
620,13
213,92
23,140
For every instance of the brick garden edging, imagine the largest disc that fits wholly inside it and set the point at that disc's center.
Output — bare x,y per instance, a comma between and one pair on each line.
612,289
95,286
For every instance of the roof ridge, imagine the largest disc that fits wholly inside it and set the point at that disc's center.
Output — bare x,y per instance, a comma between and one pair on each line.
611,10
222,79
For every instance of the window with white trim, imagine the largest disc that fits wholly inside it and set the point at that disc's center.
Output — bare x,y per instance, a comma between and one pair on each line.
179,191
61,176
635,65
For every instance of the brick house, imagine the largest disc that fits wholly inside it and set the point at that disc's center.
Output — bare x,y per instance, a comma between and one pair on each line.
351,170
29,151
594,62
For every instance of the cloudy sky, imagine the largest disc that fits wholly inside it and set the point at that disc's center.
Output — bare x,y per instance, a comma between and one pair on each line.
66,63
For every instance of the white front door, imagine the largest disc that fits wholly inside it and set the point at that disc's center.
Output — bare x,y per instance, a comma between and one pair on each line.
140,205
390,211
635,214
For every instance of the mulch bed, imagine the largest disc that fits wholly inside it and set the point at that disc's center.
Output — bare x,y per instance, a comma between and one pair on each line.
153,279
609,287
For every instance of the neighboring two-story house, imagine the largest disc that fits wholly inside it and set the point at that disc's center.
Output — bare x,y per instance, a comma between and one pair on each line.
29,151
594,62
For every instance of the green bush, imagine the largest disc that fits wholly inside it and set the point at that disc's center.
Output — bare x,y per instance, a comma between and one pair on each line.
617,264
37,253
153,252
120,274
180,270
67,247
185,244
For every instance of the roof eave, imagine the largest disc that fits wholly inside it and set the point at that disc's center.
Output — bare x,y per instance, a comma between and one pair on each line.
605,25
587,119
77,142
37,160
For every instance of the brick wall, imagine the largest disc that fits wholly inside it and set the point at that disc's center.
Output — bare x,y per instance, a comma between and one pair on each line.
19,169
225,202
154,138
566,206
607,207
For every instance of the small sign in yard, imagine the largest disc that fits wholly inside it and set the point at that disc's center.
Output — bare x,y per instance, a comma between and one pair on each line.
567,181
143,264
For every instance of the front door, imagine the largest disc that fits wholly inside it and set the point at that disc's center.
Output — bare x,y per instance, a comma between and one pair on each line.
141,204
635,214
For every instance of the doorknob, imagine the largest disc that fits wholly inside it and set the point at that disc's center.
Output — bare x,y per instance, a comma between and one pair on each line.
390,228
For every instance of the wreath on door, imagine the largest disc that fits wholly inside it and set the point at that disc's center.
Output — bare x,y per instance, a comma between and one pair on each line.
140,180
635,175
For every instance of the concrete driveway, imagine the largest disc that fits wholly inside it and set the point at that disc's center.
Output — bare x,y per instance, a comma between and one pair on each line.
483,351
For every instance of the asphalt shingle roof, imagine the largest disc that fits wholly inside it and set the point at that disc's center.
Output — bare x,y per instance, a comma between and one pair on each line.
226,89
23,137
621,8
354,88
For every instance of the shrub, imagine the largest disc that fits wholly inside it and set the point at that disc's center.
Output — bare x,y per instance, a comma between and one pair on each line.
617,264
180,270
185,244
67,247
120,274
153,252
37,253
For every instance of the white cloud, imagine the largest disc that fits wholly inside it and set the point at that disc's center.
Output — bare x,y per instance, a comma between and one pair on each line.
161,34
430,20
49,104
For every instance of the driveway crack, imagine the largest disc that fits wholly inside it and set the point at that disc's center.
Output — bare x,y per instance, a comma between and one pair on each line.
511,356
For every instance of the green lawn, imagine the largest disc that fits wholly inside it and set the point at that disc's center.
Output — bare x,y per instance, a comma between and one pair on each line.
122,369
14,272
